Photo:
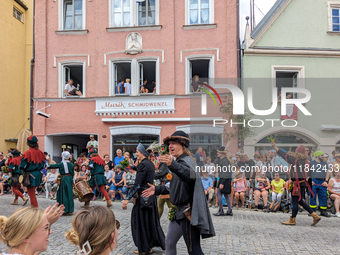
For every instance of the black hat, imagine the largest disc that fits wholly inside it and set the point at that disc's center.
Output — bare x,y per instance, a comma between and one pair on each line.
222,150
178,137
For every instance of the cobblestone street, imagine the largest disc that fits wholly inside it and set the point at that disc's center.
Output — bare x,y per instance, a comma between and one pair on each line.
244,233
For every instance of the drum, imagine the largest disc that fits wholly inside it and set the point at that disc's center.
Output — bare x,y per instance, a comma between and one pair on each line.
84,191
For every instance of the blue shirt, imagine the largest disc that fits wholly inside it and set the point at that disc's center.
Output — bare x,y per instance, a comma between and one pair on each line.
122,91
199,159
118,160
318,170
206,183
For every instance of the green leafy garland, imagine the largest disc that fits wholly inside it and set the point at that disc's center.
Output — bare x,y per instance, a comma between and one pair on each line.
171,214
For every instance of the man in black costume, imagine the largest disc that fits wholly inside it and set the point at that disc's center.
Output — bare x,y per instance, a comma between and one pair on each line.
145,226
224,184
192,216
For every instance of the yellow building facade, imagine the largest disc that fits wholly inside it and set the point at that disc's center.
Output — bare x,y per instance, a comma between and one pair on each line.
16,52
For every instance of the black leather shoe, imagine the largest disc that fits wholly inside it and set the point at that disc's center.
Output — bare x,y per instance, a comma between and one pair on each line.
229,213
219,214
325,214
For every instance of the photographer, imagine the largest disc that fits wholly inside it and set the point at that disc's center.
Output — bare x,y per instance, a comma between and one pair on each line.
92,144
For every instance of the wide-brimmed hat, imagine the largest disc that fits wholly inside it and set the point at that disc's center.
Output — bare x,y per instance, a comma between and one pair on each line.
222,150
32,139
178,137
337,155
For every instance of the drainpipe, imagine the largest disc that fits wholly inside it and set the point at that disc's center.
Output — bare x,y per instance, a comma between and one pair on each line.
239,53
32,65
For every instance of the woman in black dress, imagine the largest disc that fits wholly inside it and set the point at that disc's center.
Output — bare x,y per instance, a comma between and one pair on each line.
145,226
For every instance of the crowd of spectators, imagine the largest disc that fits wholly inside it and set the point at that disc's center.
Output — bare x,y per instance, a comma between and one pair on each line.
263,180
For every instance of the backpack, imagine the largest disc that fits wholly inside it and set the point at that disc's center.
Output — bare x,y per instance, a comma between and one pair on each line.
274,206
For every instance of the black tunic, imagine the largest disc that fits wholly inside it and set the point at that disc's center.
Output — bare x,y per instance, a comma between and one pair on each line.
145,226
225,175
186,189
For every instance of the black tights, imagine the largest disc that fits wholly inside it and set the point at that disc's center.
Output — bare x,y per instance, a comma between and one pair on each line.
191,237
296,203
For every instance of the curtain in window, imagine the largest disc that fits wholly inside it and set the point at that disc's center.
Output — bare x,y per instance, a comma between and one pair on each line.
73,14
147,13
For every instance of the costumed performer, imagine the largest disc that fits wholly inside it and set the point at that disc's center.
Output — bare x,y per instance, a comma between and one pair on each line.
65,190
192,217
16,173
145,225
98,179
298,174
32,162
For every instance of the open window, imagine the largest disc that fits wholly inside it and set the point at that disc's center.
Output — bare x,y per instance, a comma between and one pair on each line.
199,73
122,72
75,73
287,79
147,77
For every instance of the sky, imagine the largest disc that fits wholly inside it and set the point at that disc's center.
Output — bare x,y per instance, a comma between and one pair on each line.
263,5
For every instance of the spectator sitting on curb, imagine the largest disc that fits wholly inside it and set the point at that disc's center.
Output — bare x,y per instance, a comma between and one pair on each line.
262,186
334,190
240,187
208,187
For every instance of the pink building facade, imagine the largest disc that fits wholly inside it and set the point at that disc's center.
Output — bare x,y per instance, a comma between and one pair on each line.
98,43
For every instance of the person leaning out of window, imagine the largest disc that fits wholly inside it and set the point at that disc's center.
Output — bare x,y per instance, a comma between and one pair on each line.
71,90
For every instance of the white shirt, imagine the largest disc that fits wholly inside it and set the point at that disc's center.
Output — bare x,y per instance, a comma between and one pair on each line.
69,87
51,178
128,86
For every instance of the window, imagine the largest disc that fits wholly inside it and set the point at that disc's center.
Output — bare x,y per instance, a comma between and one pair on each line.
17,14
142,80
72,71
73,15
129,142
122,72
286,141
210,143
126,13
336,19
147,76
287,79
199,12
147,13
121,13
199,73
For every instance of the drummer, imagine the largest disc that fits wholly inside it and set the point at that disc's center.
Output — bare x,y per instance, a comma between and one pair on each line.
98,179
65,190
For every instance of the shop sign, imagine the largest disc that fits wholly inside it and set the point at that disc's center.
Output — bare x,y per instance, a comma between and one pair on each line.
133,104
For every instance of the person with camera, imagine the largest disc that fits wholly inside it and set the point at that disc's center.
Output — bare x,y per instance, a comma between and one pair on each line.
192,216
